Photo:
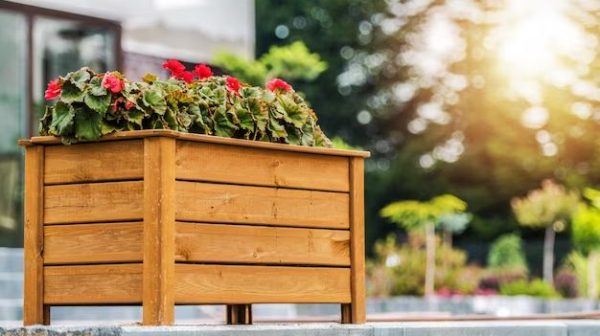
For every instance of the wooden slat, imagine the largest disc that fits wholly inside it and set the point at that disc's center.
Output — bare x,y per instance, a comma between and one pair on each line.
276,168
50,140
220,284
33,309
94,202
93,243
115,160
356,311
93,284
159,231
260,244
208,202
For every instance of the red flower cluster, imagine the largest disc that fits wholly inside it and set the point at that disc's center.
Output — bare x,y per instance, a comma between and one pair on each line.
53,90
278,84
203,71
113,83
178,71
233,84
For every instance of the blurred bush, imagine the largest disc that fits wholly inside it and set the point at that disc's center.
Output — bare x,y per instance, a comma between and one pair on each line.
400,269
536,287
506,253
290,62
565,283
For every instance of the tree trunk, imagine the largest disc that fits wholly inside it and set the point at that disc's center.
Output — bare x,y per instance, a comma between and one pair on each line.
430,261
448,238
593,275
549,255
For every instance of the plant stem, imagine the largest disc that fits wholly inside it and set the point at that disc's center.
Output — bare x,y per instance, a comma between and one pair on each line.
593,275
430,261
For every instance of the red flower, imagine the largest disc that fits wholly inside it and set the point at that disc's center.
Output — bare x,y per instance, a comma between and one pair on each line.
185,76
233,84
129,104
277,83
111,82
115,104
174,66
203,71
54,89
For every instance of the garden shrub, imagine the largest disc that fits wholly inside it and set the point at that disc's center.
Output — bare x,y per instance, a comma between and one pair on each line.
91,105
506,253
577,263
565,283
400,269
536,287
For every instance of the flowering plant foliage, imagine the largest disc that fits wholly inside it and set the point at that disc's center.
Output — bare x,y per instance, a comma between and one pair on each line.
91,105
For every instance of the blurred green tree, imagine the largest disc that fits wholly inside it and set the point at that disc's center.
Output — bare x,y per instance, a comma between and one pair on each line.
506,253
417,216
290,62
586,236
550,208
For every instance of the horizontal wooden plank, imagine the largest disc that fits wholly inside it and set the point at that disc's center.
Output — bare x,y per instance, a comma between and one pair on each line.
209,202
233,284
255,166
93,202
93,284
115,160
93,243
261,244
50,140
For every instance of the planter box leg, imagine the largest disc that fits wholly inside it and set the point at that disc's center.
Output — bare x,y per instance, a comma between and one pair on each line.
239,314
159,231
354,312
34,310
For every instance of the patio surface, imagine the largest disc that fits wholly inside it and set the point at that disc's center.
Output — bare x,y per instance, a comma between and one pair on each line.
481,328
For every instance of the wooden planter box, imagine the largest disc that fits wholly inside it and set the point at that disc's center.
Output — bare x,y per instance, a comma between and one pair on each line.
160,218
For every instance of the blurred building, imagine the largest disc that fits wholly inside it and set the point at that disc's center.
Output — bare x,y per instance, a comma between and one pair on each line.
42,39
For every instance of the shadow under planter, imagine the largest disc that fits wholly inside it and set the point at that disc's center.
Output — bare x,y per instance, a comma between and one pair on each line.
163,218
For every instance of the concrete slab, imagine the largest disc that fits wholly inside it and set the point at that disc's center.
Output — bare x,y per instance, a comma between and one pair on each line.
472,328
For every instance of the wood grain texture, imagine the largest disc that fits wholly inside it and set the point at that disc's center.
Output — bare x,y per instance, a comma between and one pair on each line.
93,202
274,168
93,284
229,284
260,244
208,202
114,160
93,243
49,140
33,309
357,311
159,231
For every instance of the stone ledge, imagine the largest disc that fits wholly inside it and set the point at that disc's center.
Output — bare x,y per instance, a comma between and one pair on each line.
480,328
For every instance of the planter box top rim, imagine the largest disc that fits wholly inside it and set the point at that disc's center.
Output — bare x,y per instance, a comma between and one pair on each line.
123,135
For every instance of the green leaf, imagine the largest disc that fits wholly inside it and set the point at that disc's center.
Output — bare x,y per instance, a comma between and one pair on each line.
277,130
291,111
245,118
155,100
71,93
106,128
97,103
96,88
62,119
135,116
223,125
88,124
80,78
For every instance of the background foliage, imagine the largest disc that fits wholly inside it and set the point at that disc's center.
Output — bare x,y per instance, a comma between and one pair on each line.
460,129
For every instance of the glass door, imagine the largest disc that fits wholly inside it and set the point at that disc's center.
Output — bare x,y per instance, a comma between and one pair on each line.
13,122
